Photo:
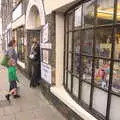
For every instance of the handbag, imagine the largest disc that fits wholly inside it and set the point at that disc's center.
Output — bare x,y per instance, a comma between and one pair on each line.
5,60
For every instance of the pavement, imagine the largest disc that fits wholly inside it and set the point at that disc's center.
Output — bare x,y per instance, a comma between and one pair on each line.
31,106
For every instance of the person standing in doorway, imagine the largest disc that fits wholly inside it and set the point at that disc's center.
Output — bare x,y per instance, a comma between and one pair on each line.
35,63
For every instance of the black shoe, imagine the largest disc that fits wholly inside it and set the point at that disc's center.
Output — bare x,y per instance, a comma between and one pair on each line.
16,96
8,97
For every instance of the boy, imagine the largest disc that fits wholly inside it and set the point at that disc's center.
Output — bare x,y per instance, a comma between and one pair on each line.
12,79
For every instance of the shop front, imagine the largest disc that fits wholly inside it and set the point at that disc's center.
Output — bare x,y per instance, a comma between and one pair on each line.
92,57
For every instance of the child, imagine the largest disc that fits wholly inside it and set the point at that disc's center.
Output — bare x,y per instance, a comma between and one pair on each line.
12,79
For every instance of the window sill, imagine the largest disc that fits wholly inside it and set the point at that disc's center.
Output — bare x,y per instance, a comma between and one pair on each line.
61,93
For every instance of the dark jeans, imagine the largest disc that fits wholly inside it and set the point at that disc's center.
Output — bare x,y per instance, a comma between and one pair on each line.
35,73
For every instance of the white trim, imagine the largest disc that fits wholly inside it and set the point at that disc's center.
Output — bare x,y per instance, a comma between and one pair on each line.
61,93
21,64
19,22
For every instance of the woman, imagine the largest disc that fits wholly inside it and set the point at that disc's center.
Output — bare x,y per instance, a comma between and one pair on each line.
35,64
11,53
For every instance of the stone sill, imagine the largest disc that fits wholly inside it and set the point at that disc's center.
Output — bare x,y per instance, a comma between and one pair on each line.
61,94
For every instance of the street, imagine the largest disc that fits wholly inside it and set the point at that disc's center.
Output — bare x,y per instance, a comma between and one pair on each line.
31,106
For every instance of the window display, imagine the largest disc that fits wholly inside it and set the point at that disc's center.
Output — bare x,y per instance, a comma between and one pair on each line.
102,71
105,9
94,55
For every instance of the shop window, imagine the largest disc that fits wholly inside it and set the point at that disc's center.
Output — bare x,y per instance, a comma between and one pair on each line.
85,96
116,78
102,73
100,101
117,44
87,42
103,42
88,14
69,61
118,12
105,12
75,86
70,41
71,21
115,108
78,14
20,44
86,68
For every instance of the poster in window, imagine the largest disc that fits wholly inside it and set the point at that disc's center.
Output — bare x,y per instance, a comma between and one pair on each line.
45,33
45,56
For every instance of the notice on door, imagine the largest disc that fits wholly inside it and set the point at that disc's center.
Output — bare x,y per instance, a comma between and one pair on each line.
46,72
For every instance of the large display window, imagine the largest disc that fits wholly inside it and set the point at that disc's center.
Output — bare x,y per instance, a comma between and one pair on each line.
92,57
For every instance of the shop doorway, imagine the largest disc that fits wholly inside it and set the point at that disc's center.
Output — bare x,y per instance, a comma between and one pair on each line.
31,36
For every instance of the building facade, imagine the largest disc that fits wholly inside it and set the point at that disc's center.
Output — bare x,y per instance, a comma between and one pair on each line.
79,46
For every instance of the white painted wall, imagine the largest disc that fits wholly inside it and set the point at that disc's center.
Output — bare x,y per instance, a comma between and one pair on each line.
59,48
50,6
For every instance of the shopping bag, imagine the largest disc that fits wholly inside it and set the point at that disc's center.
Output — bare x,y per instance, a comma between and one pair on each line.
4,61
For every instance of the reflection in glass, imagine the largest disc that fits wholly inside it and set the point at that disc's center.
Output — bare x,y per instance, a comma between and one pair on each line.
78,17
116,77
88,12
102,70
118,11
103,42
87,42
105,12
117,44
86,68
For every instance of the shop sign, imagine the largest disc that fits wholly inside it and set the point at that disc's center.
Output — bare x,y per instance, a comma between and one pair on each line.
45,56
45,34
46,45
46,72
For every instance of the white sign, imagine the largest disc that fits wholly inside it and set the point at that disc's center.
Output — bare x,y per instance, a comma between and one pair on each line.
45,56
46,72
17,12
45,34
46,45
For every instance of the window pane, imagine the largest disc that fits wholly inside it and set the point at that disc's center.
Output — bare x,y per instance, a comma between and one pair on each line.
105,12
100,101
78,16
86,95
117,44
86,68
75,86
88,13
87,42
116,77
76,64
70,41
115,108
103,42
77,41
118,11
69,61
70,21
102,71
69,81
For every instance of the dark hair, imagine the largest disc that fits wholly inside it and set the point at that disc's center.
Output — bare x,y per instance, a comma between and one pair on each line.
11,43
